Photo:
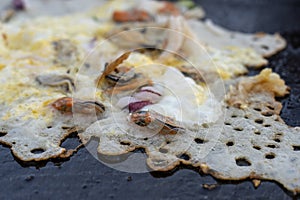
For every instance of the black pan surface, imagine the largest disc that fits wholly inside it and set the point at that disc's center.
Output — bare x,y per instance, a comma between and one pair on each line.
84,177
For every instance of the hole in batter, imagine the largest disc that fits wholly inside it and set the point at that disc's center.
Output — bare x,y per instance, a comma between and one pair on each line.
296,147
257,132
272,146
230,143
259,121
238,129
277,140
257,109
125,143
199,141
37,151
267,114
257,147
184,156
2,134
270,156
71,142
242,162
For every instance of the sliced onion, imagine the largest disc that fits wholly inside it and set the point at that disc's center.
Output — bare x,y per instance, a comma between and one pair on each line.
154,90
138,105
147,96
125,101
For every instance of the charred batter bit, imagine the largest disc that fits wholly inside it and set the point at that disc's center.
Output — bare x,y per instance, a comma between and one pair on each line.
145,118
111,67
121,78
131,16
66,105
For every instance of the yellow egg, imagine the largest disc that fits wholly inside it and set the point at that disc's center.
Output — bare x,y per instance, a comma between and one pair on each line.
137,60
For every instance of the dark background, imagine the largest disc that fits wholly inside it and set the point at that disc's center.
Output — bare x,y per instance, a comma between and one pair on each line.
84,177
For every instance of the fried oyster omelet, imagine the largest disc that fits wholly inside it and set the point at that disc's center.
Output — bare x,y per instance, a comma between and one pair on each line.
146,74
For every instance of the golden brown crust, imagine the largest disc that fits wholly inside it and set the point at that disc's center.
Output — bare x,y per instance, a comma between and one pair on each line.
111,67
262,88
63,154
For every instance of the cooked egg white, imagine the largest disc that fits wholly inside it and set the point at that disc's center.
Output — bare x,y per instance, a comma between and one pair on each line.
27,46
183,99
26,51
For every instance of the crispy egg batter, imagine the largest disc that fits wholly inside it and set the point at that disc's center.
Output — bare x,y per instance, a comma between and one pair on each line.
76,48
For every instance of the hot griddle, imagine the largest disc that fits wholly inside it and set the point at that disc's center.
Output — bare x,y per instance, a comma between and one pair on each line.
84,177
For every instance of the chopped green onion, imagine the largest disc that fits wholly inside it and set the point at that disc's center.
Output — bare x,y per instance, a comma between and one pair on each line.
187,3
